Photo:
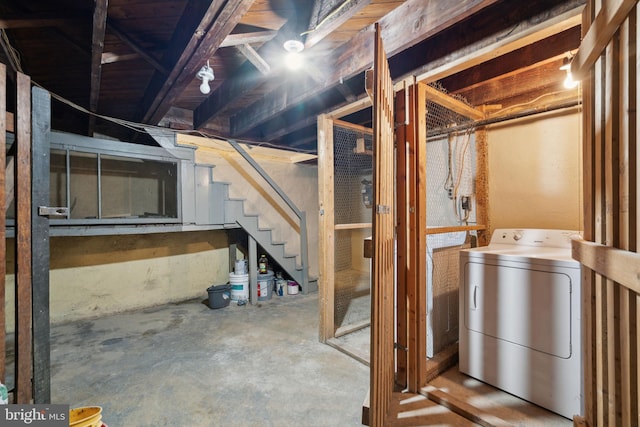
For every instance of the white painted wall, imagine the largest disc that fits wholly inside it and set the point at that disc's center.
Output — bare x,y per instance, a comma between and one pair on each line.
100,275
535,172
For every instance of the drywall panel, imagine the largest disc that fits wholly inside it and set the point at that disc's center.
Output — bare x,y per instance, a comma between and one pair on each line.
535,172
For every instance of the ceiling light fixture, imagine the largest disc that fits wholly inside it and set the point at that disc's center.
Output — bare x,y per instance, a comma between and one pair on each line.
293,58
206,75
568,83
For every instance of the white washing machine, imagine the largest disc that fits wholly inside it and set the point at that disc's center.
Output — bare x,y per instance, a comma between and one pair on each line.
520,317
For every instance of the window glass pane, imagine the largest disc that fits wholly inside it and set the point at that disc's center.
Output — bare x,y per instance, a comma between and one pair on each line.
138,188
84,185
58,179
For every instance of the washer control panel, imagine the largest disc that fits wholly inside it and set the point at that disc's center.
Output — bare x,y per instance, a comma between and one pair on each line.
534,237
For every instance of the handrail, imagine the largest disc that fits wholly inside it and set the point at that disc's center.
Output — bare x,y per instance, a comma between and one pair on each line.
300,214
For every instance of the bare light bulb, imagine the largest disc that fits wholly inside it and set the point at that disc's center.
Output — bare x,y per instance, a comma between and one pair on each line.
569,83
205,74
204,87
293,60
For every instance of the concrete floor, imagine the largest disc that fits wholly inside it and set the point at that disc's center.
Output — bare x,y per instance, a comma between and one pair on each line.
187,365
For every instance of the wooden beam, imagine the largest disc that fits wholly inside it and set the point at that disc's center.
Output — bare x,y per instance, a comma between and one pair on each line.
452,103
40,20
619,265
599,35
10,181
255,58
426,19
486,49
97,47
24,356
470,412
115,29
231,89
3,219
334,20
248,38
188,50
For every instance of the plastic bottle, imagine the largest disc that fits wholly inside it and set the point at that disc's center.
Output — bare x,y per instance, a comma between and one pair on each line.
263,264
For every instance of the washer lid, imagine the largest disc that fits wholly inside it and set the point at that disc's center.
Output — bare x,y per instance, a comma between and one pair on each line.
524,254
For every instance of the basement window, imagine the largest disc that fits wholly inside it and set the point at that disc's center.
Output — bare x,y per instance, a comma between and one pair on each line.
104,188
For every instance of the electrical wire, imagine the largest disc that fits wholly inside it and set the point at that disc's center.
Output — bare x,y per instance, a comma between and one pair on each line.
524,104
457,201
142,128
12,53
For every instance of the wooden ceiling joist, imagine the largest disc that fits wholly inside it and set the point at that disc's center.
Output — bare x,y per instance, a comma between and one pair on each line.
122,35
334,20
97,46
357,55
486,49
255,58
189,50
248,38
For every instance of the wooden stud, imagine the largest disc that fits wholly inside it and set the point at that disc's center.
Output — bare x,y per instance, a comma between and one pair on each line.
612,221
482,186
23,356
420,123
588,225
402,215
600,33
413,376
326,228
3,217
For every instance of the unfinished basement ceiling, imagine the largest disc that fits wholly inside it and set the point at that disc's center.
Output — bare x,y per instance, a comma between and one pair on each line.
137,59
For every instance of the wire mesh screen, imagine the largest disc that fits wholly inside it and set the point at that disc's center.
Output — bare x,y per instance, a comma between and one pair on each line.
353,198
451,158
451,171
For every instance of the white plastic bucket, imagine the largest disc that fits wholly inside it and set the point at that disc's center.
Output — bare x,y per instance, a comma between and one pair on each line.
292,287
241,266
239,286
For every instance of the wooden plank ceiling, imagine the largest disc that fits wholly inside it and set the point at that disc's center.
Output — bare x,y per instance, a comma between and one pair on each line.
137,59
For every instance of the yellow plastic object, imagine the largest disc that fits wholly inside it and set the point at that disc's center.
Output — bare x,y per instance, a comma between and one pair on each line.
87,416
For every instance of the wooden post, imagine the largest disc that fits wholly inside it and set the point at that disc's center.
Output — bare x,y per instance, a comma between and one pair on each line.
41,128
482,186
24,366
253,273
326,223
416,275
3,216
402,212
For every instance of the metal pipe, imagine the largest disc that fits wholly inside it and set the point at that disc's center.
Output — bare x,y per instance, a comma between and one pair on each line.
526,113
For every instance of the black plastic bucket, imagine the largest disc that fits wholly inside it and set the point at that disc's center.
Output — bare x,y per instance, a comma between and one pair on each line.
219,295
